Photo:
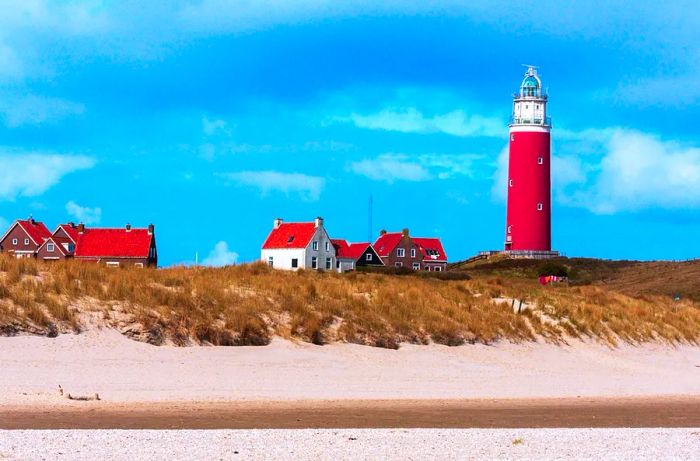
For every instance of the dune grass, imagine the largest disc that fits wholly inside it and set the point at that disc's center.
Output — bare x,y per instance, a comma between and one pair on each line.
249,304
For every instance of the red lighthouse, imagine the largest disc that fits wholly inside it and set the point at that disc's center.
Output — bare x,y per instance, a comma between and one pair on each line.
528,216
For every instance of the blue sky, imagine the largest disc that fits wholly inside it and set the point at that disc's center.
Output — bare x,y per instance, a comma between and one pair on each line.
211,118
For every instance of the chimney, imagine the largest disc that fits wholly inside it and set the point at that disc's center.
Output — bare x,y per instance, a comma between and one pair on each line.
276,223
404,232
151,229
319,222
81,228
31,219
382,232
128,227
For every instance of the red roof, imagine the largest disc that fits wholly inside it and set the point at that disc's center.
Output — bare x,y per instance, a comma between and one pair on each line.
346,250
117,243
290,235
36,230
70,229
387,242
431,248
58,242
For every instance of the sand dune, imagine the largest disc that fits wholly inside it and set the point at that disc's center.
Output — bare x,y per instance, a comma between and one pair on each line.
121,370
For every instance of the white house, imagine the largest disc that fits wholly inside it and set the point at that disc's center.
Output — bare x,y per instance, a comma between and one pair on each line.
299,245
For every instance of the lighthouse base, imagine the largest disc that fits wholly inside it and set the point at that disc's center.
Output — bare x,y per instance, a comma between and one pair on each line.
530,254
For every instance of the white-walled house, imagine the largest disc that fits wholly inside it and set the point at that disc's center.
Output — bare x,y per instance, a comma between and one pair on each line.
299,245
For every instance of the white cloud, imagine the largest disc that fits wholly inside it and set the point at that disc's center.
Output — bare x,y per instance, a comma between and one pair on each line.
220,256
32,174
34,110
84,214
307,187
393,167
455,123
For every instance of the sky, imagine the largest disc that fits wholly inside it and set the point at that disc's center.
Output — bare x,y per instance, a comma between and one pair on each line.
211,118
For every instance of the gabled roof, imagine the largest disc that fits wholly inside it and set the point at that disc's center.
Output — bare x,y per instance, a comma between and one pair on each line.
35,230
431,248
116,243
345,250
290,235
70,229
386,243
58,243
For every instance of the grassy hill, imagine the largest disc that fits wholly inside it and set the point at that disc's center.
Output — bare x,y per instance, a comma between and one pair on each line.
249,304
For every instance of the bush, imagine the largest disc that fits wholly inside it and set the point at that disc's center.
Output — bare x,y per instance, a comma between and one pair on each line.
552,268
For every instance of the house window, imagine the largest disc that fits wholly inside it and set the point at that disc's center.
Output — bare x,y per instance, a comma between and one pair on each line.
413,252
427,268
26,241
540,160
368,257
329,263
50,247
337,263
314,262
510,229
400,252
437,268
398,264
112,263
139,265
328,246
14,241
416,266
295,263
314,245
510,183
539,207
271,261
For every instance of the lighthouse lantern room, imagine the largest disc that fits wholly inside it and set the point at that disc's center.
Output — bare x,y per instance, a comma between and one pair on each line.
528,215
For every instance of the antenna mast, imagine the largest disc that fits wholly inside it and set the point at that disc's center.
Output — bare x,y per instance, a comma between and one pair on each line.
369,229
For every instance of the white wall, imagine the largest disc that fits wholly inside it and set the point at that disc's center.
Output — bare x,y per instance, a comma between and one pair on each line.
282,257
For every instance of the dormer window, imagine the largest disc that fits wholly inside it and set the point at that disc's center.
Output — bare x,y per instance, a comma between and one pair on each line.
290,239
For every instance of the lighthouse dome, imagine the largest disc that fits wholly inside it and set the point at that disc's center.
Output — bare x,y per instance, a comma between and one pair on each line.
531,86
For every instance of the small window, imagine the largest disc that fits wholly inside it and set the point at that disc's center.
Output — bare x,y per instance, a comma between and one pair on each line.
314,245
510,229
413,252
437,268
290,239
539,207
271,261
328,246
314,262
139,265
400,252
329,263
416,266
26,241
398,264
14,241
112,263
512,137
50,247
540,160
510,183
368,257
295,263
427,268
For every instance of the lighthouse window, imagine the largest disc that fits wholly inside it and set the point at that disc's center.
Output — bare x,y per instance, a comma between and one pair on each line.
510,183
510,228
512,137
540,160
539,207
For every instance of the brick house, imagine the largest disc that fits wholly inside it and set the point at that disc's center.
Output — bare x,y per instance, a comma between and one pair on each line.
399,249
24,237
61,244
299,245
350,256
116,247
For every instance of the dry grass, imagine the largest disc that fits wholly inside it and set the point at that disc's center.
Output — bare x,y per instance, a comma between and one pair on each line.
249,304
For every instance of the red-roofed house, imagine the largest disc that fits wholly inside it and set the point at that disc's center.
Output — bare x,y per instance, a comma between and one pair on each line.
117,246
60,245
349,256
399,249
24,237
299,245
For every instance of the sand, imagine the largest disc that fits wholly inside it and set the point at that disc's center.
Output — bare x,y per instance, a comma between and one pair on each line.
355,444
122,370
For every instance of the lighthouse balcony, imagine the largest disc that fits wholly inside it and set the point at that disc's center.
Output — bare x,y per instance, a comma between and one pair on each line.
546,121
